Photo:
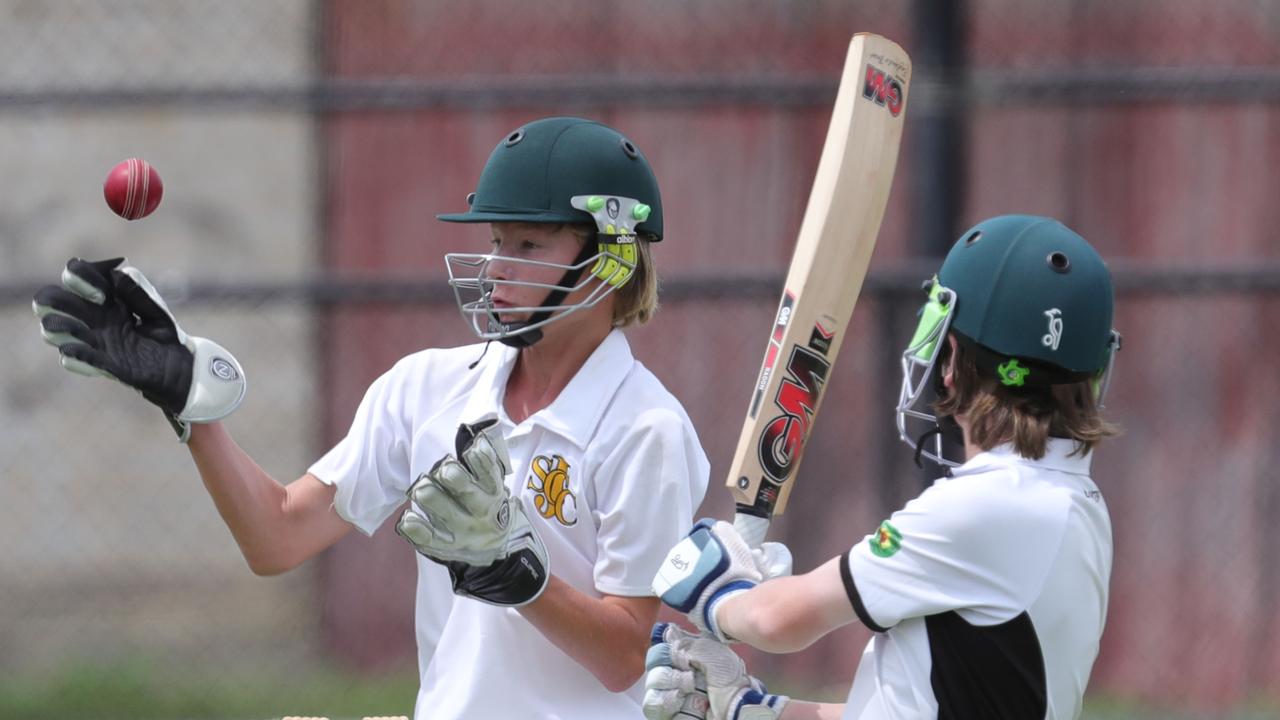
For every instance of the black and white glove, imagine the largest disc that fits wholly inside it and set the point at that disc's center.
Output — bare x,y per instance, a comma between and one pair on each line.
463,517
712,565
677,665
107,320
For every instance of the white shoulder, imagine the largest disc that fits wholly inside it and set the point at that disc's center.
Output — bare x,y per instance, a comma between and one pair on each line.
440,368
644,418
1004,502
642,392
441,360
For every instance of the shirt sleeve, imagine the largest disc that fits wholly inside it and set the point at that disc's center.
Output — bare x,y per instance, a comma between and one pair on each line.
370,466
646,492
963,545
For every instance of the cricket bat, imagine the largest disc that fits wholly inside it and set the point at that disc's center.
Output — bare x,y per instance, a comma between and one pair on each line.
830,261
832,252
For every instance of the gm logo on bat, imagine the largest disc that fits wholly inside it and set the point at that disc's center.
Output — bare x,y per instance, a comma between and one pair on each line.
883,89
797,397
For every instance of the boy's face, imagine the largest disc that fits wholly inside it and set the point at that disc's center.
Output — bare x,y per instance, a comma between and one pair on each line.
517,251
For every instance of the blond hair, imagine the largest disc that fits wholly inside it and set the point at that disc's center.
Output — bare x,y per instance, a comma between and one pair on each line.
1026,417
637,301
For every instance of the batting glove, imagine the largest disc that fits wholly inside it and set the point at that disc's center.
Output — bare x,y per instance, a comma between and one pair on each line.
712,565
106,319
463,517
677,665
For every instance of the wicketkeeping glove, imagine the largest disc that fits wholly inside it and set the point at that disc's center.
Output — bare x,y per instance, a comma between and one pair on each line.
106,319
711,565
671,692
463,517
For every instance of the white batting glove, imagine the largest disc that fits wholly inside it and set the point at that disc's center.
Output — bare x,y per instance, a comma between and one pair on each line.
708,567
773,559
673,664
463,517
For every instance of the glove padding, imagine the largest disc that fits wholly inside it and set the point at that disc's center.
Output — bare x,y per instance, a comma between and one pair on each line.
108,320
711,565
463,517
678,663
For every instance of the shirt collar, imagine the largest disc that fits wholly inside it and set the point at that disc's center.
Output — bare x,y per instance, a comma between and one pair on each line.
485,401
1058,456
577,410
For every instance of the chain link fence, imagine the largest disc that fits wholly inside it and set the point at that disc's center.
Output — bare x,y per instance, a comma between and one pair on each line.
306,147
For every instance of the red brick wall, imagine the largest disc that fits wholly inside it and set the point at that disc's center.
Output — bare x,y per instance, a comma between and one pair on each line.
1191,485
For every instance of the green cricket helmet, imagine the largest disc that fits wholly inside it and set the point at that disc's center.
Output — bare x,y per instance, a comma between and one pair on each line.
558,170
1029,297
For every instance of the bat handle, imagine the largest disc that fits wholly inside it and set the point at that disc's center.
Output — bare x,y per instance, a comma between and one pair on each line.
751,527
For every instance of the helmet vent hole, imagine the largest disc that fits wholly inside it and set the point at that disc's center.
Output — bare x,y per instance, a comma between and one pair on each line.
1059,262
514,138
630,149
973,237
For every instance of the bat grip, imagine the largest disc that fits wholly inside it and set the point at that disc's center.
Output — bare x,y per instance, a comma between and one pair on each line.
751,527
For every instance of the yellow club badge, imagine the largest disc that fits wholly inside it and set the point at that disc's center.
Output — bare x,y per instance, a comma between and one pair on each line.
554,499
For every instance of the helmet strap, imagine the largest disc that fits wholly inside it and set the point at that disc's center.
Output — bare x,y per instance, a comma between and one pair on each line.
945,426
554,298
920,441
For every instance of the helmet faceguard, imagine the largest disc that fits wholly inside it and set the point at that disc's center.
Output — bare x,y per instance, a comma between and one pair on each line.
613,264
916,420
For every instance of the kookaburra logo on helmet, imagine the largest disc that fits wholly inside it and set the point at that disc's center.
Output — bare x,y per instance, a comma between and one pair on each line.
1054,336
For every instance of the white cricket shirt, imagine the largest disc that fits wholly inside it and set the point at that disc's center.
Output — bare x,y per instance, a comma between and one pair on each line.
988,593
610,474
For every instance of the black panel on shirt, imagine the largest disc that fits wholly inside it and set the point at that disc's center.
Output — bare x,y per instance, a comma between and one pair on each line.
991,673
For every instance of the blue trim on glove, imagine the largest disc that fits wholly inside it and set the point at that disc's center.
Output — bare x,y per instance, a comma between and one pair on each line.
708,610
712,561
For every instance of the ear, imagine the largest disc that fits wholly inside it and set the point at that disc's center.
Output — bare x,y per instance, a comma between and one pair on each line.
949,368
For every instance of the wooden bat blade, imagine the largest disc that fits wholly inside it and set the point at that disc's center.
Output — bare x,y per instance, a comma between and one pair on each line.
837,235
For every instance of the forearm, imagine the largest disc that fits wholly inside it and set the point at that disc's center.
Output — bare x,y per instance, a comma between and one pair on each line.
789,613
607,636
252,504
797,710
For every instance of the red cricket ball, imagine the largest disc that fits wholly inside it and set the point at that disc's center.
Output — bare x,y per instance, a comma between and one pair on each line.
133,189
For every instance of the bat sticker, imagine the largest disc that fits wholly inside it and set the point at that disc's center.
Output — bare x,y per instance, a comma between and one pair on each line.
883,89
775,348
783,438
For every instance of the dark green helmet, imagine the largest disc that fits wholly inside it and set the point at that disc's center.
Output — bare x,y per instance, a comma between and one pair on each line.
536,170
1028,288
1032,301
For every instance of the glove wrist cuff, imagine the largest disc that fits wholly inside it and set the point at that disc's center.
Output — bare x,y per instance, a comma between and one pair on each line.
757,704
217,382
713,603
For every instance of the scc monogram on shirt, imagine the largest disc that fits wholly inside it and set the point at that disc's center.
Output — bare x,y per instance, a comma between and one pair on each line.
554,499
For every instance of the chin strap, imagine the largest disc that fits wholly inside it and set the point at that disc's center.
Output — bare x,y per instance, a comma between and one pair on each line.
920,441
484,352
944,426
554,298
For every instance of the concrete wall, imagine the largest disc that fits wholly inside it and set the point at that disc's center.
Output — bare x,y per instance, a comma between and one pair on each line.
112,547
